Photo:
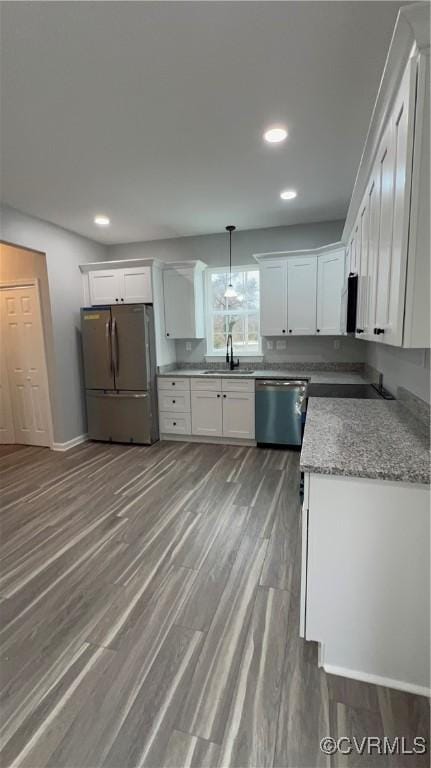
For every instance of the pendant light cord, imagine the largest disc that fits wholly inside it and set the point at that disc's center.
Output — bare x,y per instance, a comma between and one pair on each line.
230,257
230,229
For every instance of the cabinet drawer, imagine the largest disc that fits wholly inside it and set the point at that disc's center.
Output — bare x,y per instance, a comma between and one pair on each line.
174,384
179,424
203,384
237,385
174,402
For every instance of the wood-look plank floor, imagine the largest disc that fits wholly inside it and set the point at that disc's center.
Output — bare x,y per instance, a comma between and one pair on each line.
150,616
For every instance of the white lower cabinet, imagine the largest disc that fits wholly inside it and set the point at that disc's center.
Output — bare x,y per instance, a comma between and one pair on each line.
238,415
178,402
177,424
207,413
174,406
365,592
207,407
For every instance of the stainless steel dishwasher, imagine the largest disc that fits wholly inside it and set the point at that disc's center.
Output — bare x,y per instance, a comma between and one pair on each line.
280,405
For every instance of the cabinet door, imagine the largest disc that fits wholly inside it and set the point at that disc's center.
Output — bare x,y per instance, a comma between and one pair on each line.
361,324
179,301
394,171
273,299
207,418
330,279
105,286
353,252
136,286
386,168
301,295
373,204
238,415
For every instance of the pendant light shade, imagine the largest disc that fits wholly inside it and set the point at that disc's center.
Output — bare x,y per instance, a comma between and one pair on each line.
230,292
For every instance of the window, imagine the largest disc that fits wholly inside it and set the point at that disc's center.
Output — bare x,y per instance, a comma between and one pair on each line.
238,316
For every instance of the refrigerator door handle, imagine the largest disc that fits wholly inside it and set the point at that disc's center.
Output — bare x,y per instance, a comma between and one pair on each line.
120,395
108,346
114,342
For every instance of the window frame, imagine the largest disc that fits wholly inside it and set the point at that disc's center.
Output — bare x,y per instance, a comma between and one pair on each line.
209,313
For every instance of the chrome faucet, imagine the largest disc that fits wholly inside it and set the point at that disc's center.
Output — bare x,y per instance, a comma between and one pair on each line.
229,359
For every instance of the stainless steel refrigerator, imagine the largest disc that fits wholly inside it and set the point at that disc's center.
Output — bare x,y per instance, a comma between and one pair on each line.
120,373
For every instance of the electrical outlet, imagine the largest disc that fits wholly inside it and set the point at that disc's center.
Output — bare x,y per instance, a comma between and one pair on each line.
188,346
336,343
269,344
281,344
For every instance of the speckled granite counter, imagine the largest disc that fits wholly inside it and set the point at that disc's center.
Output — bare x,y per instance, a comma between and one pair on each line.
365,438
317,377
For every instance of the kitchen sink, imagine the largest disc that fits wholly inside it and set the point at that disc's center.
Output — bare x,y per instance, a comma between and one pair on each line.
228,372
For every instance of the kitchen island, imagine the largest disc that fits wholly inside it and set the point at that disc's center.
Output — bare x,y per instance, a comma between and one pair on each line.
365,594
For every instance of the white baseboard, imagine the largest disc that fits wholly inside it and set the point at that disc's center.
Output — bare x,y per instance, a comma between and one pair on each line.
386,682
69,443
207,439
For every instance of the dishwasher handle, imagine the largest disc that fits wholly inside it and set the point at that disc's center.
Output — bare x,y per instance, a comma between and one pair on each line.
280,384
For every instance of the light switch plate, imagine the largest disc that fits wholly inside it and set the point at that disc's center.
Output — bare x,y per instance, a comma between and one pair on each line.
281,344
269,344
336,343
188,346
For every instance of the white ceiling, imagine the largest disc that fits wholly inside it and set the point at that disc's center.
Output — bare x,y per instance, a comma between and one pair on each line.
153,112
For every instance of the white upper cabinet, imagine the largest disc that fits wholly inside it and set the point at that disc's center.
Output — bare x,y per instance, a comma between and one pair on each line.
105,286
137,285
130,285
273,298
184,300
330,279
301,295
387,225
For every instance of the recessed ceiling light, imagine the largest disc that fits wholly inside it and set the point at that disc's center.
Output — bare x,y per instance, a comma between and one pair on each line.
102,221
288,194
275,135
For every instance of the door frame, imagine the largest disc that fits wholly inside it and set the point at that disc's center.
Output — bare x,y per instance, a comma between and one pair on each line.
33,282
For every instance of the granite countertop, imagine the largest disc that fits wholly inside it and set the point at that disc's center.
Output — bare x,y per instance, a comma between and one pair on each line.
378,439
317,377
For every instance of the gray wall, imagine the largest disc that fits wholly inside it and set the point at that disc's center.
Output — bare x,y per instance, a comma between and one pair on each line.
299,349
213,249
409,368
64,251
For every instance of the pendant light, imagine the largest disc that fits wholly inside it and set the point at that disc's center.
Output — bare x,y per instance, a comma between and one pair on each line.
230,292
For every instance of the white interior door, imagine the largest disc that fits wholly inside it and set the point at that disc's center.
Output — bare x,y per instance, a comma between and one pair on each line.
7,429
25,354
